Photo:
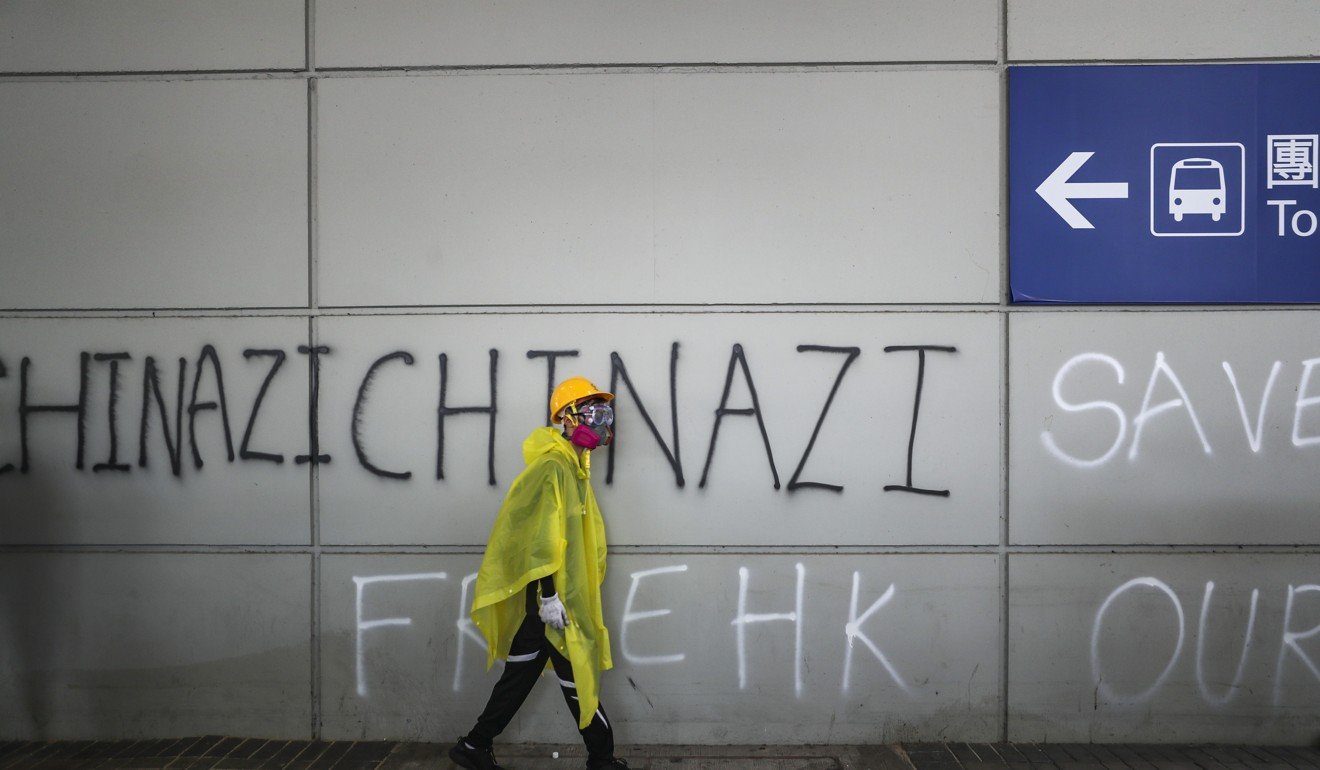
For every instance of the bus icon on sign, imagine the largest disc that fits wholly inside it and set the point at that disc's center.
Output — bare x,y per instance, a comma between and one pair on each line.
1196,186
1198,189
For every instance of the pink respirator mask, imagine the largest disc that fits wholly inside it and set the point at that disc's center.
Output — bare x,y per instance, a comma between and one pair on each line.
594,425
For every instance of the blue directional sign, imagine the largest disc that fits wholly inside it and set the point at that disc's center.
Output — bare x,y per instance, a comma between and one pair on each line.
1189,183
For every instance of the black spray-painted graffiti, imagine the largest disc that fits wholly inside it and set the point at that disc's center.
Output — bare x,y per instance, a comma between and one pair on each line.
208,367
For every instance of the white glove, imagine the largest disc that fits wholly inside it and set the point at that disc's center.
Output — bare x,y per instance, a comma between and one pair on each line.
552,612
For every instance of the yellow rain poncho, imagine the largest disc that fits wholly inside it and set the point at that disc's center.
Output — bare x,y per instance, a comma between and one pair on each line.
549,524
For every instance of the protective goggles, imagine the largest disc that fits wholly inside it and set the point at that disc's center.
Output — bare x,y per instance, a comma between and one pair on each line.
597,414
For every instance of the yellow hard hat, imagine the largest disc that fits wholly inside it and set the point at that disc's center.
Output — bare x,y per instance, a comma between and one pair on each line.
571,390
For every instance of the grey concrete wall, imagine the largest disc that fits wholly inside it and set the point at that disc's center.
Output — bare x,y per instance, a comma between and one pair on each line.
240,238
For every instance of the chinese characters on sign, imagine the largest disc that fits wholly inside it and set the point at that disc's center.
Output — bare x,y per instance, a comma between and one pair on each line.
1291,159
1180,183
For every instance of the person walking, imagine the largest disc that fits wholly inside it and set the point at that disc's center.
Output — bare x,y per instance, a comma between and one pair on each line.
538,590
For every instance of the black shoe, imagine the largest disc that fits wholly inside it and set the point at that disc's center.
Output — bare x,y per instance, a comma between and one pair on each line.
608,764
474,759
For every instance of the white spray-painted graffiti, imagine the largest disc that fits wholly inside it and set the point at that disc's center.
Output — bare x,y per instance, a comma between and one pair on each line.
367,625
1289,644
1222,700
795,617
630,617
852,631
1162,371
1096,669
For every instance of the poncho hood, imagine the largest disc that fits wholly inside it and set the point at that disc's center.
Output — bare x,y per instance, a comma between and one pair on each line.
549,524
544,440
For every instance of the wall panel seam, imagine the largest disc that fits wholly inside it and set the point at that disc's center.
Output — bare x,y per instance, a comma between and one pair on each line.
677,68
605,69
313,472
1005,605
807,308
314,503
1164,61
698,549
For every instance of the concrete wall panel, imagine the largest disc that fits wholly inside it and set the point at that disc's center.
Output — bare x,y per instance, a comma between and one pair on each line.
706,207
680,187
244,500
1166,29
1180,427
1129,648
862,445
122,646
425,679
153,194
123,35
414,33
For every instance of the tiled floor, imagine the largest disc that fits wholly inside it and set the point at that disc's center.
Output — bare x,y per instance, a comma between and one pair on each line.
951,756
253,754
189,753
224,753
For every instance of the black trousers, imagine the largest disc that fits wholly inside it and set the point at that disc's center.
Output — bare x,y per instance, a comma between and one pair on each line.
527,657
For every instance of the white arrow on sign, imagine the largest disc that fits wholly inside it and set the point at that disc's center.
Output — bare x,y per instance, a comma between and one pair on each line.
1056,190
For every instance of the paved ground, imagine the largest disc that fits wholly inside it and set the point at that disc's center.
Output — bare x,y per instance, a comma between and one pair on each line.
258,754
1078,756
255,754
